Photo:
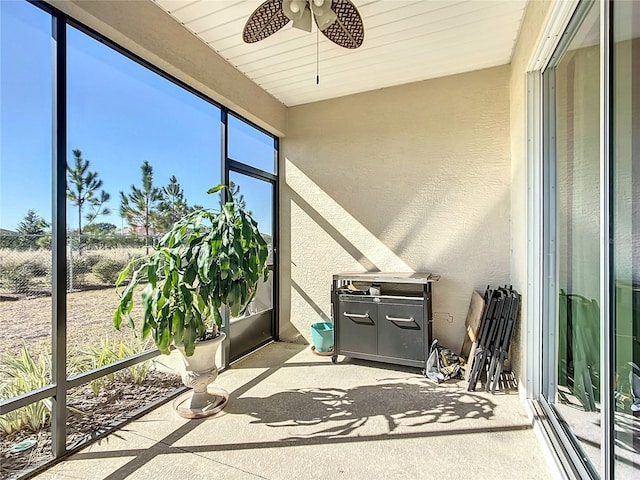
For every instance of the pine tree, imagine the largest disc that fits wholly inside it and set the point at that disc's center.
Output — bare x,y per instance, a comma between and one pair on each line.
173,205
32,224
82,186
140,206
33,229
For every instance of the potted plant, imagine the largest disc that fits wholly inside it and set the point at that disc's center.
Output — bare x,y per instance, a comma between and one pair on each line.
206,261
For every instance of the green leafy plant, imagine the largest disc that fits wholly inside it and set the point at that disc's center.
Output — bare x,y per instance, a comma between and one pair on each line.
207,260
21,374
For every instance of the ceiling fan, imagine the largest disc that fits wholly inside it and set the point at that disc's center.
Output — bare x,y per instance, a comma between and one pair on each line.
338,20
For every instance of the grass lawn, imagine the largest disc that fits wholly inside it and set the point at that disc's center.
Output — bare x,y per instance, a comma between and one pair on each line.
89,319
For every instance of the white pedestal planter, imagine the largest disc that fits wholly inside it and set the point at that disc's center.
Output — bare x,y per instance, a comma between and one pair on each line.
200,371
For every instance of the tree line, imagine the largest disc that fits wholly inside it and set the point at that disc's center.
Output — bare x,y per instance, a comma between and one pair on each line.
147,208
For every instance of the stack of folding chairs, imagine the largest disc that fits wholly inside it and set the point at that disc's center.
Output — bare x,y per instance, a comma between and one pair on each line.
494,338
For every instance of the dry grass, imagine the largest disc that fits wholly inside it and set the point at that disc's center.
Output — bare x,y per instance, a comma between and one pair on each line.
89,314
15,255
43,255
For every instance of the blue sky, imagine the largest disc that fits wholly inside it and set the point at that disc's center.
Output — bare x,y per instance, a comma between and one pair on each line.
119,114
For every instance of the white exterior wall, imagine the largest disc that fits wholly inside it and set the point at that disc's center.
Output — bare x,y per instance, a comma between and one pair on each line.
408,178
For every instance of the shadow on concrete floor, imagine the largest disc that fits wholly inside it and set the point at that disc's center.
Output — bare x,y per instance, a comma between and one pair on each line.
359,414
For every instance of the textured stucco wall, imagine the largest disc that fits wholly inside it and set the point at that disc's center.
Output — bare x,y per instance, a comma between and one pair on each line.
533,22
144,29
408,178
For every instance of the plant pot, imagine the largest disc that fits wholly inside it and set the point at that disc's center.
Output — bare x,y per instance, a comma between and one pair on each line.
201,370
322,336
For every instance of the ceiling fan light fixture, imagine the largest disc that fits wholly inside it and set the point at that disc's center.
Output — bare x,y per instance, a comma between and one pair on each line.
320,7
323,13
304,23
326,20
298,13
294,9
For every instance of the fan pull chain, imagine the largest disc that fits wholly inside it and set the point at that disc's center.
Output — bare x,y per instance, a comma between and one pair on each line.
317,62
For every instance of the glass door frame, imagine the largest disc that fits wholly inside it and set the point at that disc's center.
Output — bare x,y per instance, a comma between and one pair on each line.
564,440
542,248
229,165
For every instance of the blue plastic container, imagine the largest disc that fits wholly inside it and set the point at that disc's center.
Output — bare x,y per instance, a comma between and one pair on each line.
322,336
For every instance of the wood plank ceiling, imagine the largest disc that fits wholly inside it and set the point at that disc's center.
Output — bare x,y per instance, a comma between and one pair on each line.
405,41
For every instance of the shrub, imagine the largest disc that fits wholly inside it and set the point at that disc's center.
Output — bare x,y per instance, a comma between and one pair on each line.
91,260
106,353
44,242
108,269
79,266
21,374
91,357
16,277
137,373
37,268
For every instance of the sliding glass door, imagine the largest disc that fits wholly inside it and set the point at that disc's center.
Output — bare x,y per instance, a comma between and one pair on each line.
591,227
625,215
571,388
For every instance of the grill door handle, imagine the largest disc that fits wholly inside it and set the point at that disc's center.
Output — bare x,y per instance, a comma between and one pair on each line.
356,315
397,319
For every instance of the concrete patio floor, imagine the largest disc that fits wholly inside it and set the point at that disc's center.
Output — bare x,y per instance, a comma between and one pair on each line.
294,415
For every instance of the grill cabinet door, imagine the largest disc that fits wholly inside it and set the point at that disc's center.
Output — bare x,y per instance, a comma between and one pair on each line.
401,329
358,326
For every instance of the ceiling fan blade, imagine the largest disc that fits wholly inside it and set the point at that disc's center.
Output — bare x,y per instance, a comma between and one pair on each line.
266,20
348,29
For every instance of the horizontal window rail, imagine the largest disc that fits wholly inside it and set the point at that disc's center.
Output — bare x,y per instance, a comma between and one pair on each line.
28,398
25,399
251,171
86,377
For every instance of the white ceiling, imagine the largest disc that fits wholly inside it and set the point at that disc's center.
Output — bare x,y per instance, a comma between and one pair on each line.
405,41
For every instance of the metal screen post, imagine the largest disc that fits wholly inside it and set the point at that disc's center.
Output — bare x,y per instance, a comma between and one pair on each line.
224,165
70,281
607,306
58,239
